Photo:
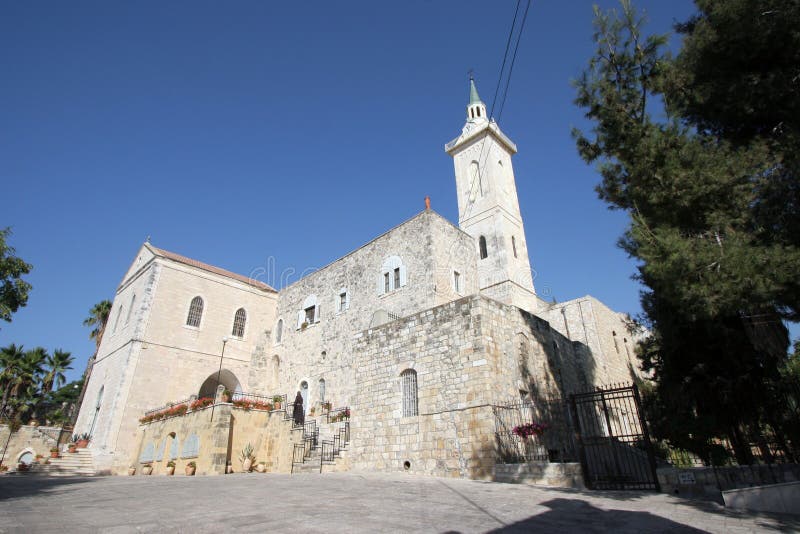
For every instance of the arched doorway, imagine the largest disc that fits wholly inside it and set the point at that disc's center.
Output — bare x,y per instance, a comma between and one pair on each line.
304,393
226,378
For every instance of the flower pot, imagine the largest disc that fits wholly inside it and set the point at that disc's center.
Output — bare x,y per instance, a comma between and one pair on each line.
53,454
131,471
170,470
189,470
72,447
277,405
147,470
82,443
261,468
246,465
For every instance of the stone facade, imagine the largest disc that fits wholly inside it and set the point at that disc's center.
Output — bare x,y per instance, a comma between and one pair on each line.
450,308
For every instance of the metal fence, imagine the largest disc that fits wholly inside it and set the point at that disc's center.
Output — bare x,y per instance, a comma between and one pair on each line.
555,444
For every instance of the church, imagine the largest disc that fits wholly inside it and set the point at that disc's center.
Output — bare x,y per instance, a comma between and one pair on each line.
408,341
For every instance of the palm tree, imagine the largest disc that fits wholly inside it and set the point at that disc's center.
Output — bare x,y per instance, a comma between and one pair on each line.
11,358
98,317
56,364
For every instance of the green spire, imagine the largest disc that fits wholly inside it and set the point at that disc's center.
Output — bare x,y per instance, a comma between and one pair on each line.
473,92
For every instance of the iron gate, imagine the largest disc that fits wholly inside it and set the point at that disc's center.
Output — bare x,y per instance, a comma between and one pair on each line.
615,447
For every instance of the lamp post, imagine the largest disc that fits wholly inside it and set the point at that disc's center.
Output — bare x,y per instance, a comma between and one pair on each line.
222,355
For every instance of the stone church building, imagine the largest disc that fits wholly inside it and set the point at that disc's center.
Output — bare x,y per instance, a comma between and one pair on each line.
418,333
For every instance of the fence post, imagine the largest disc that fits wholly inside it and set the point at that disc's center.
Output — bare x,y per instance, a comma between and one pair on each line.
576,427
648,442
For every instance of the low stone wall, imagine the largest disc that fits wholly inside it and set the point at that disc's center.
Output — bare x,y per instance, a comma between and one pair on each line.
214,444
562,475
33,439
709,482
269,435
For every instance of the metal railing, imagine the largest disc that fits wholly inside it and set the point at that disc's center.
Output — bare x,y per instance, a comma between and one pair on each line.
338,415
168,406
555,444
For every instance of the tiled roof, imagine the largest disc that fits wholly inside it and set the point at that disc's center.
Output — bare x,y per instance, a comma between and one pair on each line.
210,268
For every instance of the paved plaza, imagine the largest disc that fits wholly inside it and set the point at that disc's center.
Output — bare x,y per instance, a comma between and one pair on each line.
349,502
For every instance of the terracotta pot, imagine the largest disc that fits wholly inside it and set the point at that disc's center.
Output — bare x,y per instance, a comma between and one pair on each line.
147,470
131,471
82,443
278,405
189,470
171,470
226,398
72,447
53,454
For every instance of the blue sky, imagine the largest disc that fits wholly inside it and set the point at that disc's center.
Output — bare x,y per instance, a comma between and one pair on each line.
241,131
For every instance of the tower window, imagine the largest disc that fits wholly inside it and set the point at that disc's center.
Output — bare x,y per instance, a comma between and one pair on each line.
239,321
309,315
195,312
482,245
514,245
279,331
408,380
393,275
457,281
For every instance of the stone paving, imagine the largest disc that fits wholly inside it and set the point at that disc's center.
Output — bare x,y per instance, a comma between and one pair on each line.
349,502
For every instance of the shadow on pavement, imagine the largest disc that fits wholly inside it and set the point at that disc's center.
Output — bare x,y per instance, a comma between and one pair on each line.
16,486
567,514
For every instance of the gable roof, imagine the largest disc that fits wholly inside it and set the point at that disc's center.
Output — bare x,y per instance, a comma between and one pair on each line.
210,268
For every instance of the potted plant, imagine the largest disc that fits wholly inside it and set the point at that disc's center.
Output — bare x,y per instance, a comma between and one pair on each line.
247,458
83,440
131,470
190,468
73,443
171,468
226,395
54,452
147,469
261,467
276,401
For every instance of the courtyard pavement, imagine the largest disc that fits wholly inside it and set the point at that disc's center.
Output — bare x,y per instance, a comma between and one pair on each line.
349,502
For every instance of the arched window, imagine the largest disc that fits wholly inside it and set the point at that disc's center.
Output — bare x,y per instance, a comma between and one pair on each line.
279,331
133,301
195,312
116,321
321,390
408,380
239,321
514,245
482,245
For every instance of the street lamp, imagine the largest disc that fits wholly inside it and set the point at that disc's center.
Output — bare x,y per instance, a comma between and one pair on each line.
222,355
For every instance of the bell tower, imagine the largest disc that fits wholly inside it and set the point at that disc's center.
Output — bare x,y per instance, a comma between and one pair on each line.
488,208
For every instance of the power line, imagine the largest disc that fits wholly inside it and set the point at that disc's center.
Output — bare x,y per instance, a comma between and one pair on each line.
481,165
514,58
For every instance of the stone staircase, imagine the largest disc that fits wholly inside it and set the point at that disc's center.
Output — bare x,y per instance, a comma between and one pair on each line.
314,440
78,463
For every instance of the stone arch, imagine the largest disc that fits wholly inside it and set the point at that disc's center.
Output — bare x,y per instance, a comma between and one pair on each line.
26,456
226,378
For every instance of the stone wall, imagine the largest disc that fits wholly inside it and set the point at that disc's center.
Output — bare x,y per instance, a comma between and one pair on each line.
468,355
709,482
430,248
33,439
219,440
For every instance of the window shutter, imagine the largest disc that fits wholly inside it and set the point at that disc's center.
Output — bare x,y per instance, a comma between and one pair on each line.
402,275
316,313
380,283
347,300
300,316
